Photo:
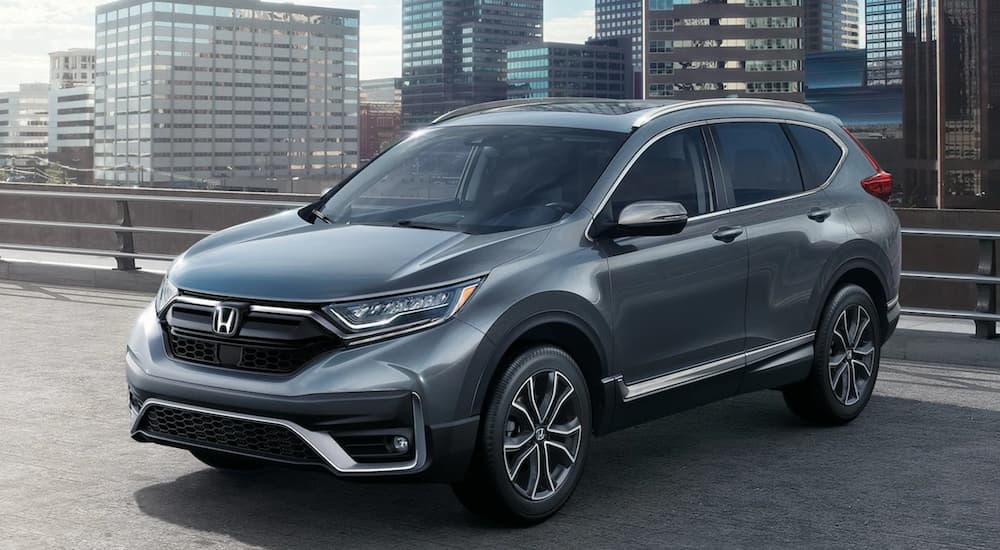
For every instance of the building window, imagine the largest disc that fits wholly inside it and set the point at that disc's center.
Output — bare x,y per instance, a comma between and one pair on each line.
661,90
661,68
661,25
661,5
660,46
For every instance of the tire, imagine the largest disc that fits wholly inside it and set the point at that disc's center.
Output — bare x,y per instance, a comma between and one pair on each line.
845,361
226,461
534,476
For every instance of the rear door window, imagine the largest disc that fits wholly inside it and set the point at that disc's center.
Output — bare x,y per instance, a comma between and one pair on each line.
818,154
758,160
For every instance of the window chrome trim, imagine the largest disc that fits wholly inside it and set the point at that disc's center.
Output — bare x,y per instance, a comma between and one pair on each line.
703,371
322,443
652,141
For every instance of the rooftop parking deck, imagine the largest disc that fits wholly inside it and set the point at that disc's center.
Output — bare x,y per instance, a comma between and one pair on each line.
918,469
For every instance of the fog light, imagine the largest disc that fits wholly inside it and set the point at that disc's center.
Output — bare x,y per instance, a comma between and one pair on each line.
400,444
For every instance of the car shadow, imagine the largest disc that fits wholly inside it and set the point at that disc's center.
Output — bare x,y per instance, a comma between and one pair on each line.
739,473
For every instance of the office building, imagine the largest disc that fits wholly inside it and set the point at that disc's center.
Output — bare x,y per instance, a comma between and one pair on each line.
234,94
380,128
24,131
382,90
622,20
552,69
951,116
71,133
884,42
454,52
704,50
72,68
832,25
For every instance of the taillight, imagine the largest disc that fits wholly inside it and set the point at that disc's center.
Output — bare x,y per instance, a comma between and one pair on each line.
878,185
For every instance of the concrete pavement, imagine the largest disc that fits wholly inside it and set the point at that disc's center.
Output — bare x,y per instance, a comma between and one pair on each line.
918,469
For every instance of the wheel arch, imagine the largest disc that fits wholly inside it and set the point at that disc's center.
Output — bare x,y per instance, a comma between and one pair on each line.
856,263
560,319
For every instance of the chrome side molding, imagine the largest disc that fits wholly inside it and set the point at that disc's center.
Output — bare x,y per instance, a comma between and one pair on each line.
702,371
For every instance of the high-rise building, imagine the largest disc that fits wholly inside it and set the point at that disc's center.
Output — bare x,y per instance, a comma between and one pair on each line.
884,42
24,133
622,20
382,90
698,50
454,52
380,128
552,69
71,133
71,68
833,25
238,94
951,115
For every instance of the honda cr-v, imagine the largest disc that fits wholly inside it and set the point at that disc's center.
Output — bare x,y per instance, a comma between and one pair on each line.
483,299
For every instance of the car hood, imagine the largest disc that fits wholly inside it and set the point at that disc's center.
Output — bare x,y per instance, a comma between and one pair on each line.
283,258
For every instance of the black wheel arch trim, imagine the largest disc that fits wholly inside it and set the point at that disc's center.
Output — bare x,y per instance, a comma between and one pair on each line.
530,313
858,254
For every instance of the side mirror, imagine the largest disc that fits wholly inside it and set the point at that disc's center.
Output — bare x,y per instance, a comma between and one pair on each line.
652,218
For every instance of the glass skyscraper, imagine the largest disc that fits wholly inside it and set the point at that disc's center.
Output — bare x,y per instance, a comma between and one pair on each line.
884,37
696,49
454,52
832,25
951,117
235,94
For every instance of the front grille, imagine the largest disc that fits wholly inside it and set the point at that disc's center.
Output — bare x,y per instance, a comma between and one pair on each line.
242,357
225,433
265,343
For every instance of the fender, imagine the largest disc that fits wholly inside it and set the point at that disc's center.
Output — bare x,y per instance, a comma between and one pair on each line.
851,255
531,312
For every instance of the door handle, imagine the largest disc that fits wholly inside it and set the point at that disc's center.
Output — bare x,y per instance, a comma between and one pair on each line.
727,234
819,214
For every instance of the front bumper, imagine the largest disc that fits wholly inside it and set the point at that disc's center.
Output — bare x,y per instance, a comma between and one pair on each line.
334,408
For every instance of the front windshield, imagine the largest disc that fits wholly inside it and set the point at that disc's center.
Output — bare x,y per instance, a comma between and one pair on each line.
477,179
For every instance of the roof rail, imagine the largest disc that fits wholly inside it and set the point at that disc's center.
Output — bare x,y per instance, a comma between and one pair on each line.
673,108
507,103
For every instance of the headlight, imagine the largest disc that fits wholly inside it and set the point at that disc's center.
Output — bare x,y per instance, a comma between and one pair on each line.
380,315
165,295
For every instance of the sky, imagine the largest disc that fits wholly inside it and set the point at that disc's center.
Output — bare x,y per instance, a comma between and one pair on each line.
32,28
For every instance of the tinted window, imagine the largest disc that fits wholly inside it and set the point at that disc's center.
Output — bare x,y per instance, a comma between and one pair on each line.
477,179
672,169
818,154
758,160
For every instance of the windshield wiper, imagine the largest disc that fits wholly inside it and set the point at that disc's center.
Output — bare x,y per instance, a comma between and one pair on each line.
321,216
418,225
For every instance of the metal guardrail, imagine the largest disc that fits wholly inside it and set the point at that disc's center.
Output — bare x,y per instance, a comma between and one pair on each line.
986,280
126,254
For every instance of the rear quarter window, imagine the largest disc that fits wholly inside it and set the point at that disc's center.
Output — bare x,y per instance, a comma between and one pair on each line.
818,154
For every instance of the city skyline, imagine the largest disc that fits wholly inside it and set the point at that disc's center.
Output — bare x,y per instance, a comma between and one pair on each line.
43,26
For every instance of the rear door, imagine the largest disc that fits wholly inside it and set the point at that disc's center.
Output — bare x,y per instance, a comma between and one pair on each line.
778,197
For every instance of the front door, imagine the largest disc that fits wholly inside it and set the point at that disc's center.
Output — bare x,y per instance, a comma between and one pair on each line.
679,300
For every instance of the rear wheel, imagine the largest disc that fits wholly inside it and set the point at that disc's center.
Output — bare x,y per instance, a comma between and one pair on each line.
845,360
534,439
226,461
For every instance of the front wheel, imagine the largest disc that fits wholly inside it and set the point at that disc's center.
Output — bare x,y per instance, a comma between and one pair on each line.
845,361
534,439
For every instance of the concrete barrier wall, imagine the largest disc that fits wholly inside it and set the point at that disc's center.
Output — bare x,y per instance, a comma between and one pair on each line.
186,216
946,255
919,253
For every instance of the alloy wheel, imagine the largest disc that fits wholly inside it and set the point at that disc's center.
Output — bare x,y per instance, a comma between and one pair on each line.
542,434
852,354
